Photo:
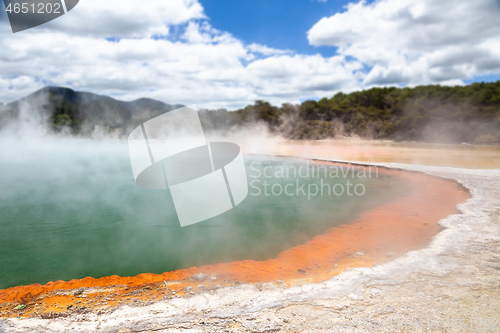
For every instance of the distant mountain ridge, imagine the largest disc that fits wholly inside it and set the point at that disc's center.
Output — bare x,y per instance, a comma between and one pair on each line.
82,112
432,113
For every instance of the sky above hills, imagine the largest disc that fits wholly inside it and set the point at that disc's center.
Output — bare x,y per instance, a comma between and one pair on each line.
221,53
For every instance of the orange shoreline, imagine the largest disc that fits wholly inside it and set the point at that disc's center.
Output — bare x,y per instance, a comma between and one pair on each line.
407,223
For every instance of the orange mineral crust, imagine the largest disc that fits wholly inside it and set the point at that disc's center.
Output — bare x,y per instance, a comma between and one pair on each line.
379,235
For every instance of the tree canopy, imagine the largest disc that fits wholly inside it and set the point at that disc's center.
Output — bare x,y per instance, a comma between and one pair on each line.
430,113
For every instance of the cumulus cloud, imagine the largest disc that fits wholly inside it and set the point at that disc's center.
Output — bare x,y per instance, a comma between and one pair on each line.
266,50
118,18
174,56
168,50
290,76
416,42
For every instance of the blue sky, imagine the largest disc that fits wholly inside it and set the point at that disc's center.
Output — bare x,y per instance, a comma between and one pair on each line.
279,24
483,78
283,24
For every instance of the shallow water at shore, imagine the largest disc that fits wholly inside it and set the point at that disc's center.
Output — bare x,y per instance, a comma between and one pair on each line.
448,155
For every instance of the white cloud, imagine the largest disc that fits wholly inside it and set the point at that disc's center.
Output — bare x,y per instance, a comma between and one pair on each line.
401,41
290,77
17,86
200,65
207,70
118,18
416,42
265,50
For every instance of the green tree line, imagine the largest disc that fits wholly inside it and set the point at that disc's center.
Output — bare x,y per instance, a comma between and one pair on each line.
429,113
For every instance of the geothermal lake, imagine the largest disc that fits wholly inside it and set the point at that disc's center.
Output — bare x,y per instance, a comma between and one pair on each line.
71,209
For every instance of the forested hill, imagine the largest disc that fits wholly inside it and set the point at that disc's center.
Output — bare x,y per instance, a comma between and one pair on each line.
427,113
81,113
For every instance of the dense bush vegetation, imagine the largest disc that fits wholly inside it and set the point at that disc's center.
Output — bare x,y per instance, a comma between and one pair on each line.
427,113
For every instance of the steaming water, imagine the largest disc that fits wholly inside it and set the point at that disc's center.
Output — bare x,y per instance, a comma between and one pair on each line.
71,209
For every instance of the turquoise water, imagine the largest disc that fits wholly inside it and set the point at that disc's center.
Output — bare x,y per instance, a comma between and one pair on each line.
71,209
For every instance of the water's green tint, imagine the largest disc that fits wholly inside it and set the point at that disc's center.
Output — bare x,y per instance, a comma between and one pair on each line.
73,210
